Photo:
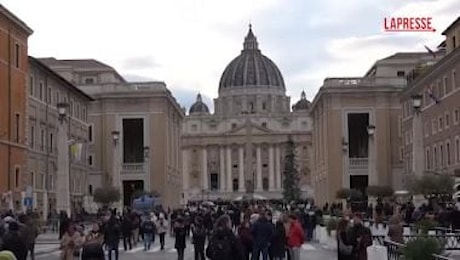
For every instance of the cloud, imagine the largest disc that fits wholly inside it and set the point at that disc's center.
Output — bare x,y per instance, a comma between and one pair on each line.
139,63
187,44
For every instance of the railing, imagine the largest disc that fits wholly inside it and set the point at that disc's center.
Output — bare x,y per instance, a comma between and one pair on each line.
365,81
450,242
358,163
133,168
395,251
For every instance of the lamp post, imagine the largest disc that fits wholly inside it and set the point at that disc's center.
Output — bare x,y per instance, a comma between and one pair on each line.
116,179
63,161
418,154
373,176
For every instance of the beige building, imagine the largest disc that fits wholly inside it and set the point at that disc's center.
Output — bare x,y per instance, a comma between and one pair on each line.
134,131
357,132
239,148
46,89
431,113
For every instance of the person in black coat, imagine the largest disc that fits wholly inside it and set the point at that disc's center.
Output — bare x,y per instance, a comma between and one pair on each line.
180,234
278,243
112,236
14,242
343,241
199,239
126,230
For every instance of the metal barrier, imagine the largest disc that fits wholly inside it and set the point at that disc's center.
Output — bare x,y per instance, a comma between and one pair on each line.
395,251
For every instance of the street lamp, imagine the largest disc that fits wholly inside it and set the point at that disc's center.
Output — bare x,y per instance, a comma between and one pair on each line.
417,102
115,137
371,130
146,152
344,145
62,110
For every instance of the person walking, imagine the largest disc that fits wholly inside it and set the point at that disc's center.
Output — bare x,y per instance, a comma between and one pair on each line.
162,228
396,229
92,246
278,243
244,234
112,236
262,232
344,246
126,228
223,244
180,234
295,237
360,238
14,242
199,239
70,243
148,229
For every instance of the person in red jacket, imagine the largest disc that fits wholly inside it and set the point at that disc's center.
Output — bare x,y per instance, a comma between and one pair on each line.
295,237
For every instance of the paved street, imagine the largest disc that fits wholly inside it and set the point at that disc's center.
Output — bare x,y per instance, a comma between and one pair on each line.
50,251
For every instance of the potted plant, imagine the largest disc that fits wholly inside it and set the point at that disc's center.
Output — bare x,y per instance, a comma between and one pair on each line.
425,225
422,248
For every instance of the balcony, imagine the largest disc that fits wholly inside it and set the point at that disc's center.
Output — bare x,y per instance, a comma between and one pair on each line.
133,168
358,163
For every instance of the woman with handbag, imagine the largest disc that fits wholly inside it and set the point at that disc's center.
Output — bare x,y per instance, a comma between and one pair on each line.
70,243
92,247
344,246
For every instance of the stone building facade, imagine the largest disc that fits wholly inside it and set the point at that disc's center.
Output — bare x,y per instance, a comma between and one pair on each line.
147,121
46,89
239,148
432,129
13,76
357,136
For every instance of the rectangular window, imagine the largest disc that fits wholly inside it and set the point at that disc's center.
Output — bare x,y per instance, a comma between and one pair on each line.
17,55
90,160
41,90
51,143
454,80
440,124
399,126
18,126
32,180
42,140
89,81
441,155
90,133
400,73
447,120
435,157
444,85
427,129
401,153
57,97
428,159
32,137
17,177
456,116
448,153
71,108
49,101
457,149
434,127
31,86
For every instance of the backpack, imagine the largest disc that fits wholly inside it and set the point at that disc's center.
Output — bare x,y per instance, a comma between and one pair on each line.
219,248
148,227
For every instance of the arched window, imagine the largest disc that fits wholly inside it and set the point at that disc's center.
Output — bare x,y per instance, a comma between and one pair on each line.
265,183
235,184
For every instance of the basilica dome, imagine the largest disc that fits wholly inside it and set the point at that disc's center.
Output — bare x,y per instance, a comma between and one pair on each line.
302,104
199,107
251,68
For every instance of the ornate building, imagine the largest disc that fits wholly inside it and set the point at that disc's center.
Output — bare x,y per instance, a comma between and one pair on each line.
239,148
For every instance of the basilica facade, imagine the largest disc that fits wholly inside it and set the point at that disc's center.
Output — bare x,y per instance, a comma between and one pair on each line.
239,149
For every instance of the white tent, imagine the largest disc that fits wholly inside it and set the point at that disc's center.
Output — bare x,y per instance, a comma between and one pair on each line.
250,197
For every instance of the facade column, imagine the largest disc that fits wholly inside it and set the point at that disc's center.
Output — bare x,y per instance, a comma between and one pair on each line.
222,168
241,169
279,184
271,170
204,169
229,169
259,169
373,178
63,181
116,177
185,174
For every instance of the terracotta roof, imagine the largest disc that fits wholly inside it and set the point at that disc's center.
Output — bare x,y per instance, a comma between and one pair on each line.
80,63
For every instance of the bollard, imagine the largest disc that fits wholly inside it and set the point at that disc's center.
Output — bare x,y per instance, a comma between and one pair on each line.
375,252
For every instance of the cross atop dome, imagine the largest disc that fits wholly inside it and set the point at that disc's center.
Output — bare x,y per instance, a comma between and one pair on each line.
302,95
198,97
250,41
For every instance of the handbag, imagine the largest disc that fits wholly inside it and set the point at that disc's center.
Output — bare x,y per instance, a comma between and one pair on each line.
344,249
93,250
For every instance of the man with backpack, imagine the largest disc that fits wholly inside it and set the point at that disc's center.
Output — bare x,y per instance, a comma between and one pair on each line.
199,239
223,244
148,228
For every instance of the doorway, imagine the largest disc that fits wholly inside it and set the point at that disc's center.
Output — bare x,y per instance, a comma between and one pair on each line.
129,188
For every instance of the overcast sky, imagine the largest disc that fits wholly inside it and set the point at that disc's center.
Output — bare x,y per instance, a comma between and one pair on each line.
188,43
